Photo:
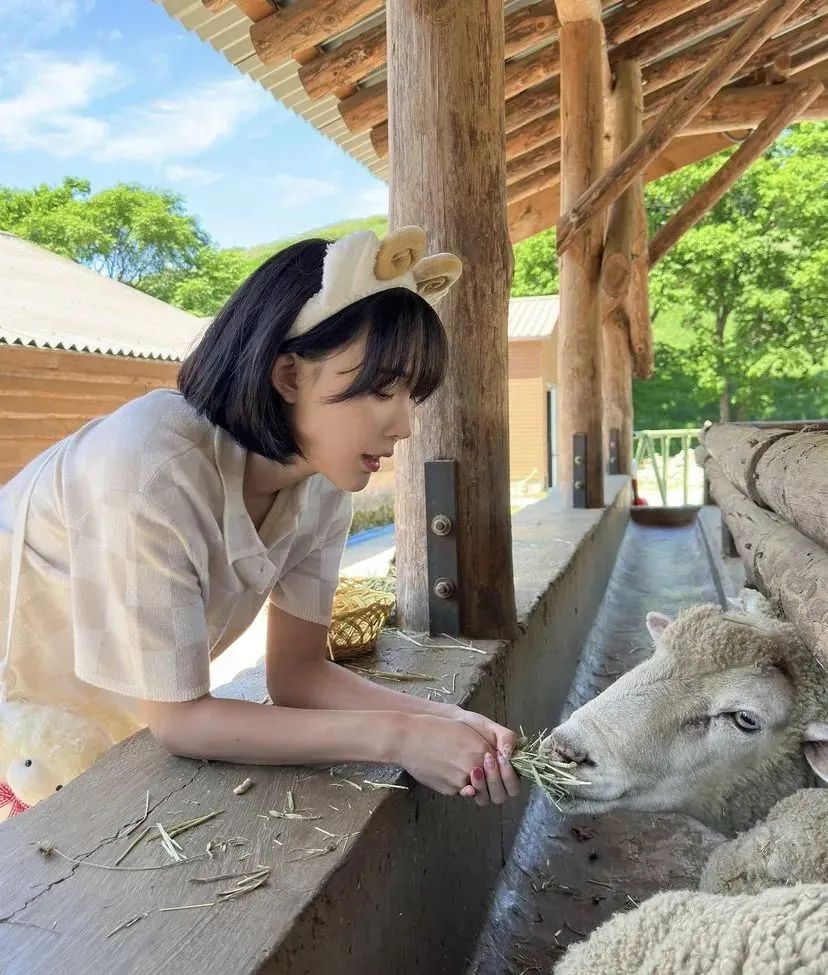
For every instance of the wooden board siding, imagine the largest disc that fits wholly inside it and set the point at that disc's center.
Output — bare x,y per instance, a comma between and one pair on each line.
527,407
47,394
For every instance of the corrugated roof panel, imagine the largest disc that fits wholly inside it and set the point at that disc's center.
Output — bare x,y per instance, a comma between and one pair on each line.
229,33
51,302
533,318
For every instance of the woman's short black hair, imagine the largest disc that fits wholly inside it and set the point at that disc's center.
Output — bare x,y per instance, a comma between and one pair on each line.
227,377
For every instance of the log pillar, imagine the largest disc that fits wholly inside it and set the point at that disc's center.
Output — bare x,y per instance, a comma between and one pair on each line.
448,174
579,324
616,268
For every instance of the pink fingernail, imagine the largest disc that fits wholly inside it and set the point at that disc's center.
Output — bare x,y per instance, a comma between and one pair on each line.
488,761
477,773
503,758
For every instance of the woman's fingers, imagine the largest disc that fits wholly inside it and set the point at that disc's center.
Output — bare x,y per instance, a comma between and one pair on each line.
478,777
511,782
497,791
468,792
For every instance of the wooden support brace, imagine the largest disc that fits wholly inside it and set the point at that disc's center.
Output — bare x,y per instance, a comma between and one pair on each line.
693,96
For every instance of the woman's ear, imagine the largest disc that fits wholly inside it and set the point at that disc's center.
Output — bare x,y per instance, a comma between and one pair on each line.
285,376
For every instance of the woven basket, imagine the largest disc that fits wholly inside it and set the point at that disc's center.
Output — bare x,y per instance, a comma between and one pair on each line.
361,608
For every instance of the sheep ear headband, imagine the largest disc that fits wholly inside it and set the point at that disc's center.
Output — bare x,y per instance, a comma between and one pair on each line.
360,265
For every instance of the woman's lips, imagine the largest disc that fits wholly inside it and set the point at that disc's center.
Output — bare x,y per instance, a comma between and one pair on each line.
371,463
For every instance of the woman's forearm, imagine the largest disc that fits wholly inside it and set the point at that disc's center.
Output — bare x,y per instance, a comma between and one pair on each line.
327,685
261,734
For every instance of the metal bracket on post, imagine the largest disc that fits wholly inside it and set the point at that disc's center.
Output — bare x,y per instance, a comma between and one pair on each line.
579,470
614,440
441,547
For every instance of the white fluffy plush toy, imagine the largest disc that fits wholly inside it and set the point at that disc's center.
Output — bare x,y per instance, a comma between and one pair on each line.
41,749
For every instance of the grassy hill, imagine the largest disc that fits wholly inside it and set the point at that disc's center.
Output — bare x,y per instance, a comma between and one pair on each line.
334,231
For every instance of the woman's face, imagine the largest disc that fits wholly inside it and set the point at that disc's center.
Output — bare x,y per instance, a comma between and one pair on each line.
345,440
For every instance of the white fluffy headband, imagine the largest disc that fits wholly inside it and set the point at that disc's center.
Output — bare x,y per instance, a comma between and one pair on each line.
360,265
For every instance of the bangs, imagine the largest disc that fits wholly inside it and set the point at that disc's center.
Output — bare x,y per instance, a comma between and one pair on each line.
404,343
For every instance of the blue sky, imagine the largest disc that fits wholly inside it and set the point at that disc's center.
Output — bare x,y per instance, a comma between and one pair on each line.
118,91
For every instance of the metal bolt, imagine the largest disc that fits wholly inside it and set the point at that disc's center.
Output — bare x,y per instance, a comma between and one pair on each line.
444,588
441,524
577,460
579,485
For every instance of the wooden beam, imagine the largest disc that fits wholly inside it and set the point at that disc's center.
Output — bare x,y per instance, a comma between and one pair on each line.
790,568
811,56
740,108
345,65
579,324
695,94
638,300
780,469
530,185
747,153
531,104
570,11
214,6
694,58
629,112
617,383
305,24
522,166
631,21
540,212
453,183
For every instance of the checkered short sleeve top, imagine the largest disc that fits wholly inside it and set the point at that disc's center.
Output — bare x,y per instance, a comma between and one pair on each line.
140,562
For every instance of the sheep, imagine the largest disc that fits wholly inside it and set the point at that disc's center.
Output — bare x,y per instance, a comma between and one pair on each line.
780,931
789,847
729,715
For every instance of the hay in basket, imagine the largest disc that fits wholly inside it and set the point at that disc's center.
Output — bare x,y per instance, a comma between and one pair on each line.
361,608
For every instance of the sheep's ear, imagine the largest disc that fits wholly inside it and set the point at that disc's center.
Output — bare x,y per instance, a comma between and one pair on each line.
657,623
816,748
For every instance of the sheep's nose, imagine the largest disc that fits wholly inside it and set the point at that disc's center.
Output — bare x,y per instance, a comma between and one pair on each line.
567,750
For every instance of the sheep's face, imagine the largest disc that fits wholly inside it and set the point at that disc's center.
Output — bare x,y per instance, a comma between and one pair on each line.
721,722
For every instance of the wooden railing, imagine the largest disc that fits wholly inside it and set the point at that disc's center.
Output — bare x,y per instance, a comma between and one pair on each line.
771,483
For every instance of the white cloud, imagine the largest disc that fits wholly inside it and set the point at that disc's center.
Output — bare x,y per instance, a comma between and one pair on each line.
294,190
178,128
369,202
25,20
52,109
48,110
190,175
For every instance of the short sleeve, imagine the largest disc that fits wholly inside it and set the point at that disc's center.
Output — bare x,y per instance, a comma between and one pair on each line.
307,590
138,614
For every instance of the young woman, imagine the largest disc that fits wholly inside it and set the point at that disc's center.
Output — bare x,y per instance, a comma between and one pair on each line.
140,547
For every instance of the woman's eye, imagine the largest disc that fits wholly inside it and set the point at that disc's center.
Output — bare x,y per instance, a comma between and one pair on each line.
745,722
381,395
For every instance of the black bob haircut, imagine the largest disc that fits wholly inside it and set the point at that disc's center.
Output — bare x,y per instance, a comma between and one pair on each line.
227,377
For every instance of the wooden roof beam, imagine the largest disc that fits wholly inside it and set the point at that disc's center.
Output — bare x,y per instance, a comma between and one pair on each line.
368,108
797,99
289,30
686,104
531,215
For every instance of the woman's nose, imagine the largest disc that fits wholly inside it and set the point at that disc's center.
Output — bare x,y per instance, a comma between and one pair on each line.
400,428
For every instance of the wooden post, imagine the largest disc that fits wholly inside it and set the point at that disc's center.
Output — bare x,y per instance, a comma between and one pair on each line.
453,184
693,96
617,384
579,325
718,184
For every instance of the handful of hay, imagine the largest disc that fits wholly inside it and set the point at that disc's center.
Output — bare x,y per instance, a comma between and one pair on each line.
532,761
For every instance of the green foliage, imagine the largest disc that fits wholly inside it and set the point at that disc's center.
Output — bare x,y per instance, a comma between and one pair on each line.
536,266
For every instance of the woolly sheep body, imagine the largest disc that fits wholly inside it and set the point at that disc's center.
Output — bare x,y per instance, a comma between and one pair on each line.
781,931
789,847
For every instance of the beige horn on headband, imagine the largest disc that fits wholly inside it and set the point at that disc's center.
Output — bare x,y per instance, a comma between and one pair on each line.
399,252
435,274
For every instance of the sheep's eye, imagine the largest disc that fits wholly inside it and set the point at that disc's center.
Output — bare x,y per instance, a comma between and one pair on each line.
745,722
28,763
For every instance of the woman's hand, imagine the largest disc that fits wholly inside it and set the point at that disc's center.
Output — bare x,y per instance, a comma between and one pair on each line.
439,751
495,780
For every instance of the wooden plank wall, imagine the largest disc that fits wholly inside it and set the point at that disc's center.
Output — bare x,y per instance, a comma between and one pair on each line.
47,394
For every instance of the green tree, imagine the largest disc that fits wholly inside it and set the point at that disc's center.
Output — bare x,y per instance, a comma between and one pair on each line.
204,288
752,277
536,266
128,231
